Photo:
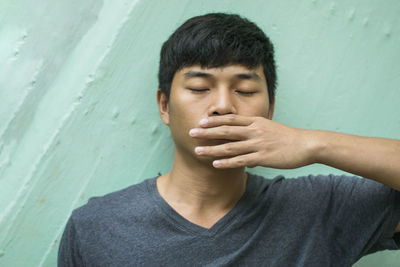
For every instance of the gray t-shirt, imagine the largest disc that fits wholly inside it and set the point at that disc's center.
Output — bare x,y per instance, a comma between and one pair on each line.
308,221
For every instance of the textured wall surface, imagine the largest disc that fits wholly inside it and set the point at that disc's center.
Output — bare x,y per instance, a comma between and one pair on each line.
78,115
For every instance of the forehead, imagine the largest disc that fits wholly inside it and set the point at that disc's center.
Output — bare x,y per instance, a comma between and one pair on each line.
230,72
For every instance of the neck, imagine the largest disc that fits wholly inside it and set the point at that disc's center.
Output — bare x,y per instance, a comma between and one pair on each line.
196,183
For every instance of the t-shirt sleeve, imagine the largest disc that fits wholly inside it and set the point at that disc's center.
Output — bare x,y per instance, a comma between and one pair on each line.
363,213
68,252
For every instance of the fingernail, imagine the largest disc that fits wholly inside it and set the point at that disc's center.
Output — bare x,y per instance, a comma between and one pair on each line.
199,149
193,132
203,121
217,163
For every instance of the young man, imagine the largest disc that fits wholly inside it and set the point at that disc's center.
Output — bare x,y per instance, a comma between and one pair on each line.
217,86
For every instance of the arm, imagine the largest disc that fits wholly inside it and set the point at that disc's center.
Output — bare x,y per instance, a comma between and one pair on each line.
262,142
372,158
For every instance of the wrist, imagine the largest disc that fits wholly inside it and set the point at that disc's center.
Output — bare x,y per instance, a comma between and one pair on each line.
316,144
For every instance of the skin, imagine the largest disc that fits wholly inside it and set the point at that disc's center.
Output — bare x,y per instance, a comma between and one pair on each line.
220,120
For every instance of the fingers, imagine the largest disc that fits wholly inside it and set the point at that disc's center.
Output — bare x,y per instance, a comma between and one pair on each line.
220,132
244,155
229,119
236,154
225,150
247,160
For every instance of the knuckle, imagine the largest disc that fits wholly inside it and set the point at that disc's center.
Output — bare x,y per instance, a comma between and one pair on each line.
240,161
255,131
225,130
257,120
255,143
229,148
253,126
259,132
231,118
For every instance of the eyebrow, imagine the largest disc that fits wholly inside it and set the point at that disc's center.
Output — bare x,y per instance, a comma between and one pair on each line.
197,74
243,76
249,76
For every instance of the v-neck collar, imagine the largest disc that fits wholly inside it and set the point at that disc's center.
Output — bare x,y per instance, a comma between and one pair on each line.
186,225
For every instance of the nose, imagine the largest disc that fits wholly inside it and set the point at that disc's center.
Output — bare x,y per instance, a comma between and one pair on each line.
222,103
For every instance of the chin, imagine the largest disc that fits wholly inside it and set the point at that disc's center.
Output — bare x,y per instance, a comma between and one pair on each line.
208,160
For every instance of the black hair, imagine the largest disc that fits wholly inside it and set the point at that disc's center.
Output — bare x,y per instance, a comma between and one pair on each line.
217,40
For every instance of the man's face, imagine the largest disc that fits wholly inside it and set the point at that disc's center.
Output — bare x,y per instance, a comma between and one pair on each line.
198,93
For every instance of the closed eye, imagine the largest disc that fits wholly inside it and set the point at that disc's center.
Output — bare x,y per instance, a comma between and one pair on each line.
198,90
245,93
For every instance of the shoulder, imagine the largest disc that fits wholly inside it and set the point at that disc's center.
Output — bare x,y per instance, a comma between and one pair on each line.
130,201
314,188
331,183
283,185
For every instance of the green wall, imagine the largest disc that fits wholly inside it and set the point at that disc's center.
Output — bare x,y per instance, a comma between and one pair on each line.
78,115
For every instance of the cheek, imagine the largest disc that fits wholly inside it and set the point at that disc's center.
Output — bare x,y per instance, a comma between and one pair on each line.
187,111
265,109
262,106
181,118
255,108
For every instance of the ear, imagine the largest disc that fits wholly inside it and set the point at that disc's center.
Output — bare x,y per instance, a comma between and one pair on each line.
271,109
163,107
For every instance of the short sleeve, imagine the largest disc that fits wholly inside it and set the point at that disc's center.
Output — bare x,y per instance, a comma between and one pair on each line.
68,252
364,214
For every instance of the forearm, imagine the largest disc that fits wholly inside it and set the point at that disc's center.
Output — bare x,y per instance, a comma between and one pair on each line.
373,158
